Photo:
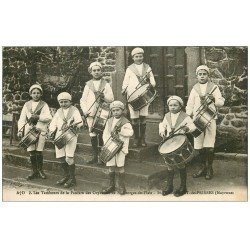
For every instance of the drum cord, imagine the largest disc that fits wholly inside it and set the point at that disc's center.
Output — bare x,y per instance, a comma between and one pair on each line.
136,87
202,106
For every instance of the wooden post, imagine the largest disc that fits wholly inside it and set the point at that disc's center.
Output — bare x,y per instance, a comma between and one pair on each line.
118,75
193,61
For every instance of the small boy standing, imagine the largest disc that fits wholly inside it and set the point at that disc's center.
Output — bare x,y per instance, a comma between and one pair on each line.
119,126
172,121
96,91
67,115
204,143
133,76
35,113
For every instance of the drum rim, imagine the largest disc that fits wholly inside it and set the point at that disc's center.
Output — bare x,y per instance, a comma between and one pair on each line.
162,142
142,92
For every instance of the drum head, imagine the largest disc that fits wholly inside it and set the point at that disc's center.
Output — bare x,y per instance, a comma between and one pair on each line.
138,92
172,144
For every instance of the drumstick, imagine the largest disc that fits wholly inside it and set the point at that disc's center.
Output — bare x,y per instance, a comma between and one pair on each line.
211,92
93,103
173,133
139,83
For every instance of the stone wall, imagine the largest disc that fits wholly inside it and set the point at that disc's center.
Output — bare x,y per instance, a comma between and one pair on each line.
107,57
57,69
229,71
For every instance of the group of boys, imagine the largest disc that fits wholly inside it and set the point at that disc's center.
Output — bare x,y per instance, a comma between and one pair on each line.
96,92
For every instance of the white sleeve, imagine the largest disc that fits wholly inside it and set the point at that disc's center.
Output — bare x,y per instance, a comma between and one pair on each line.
78,118
105,135
53,125
190,103
219,100
45,115
126,79
190,124
126,130
83,101
108,93
163,126
23,118
152,78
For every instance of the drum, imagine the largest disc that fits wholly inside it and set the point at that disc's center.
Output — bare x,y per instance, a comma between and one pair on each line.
176,150
64,138
111,147
142,96
30,138
101,117
203,119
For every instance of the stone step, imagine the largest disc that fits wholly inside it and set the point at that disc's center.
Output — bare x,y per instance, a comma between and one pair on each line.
139,175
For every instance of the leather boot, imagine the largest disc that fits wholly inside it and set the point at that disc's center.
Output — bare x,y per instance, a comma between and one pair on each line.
142,137
72,179
34,174
100,142
170,179
111,187
94,143
210,159
202,162
136,135
183,187
66,176
121,183
39,158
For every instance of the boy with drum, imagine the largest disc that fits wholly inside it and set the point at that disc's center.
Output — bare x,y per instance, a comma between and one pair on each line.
117,127
204,93
96,91
66,117
35,115
138,74
179,121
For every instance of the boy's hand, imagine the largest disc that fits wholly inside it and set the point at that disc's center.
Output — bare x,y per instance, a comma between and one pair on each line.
211,97
33,119
162,134
20,134
100,95
185,129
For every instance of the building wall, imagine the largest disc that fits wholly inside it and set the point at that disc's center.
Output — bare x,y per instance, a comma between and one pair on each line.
229,71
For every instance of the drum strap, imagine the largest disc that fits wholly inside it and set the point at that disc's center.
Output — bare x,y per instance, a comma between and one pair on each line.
69,115
210,86
38,108
118,125
145,68
102,86
182,116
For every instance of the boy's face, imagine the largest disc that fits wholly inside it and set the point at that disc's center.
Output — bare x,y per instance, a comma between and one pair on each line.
138,58
96,72
202,76
174,106
36,95
117,112
64,104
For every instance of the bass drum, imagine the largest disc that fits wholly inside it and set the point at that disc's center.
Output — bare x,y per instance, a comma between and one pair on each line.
101,117
176,150
30,138
64,138
110,149
142,96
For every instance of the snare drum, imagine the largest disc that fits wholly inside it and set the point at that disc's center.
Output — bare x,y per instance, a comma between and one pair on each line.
64,138
101,117
30,138
176,150
142,96
203,119
110,149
